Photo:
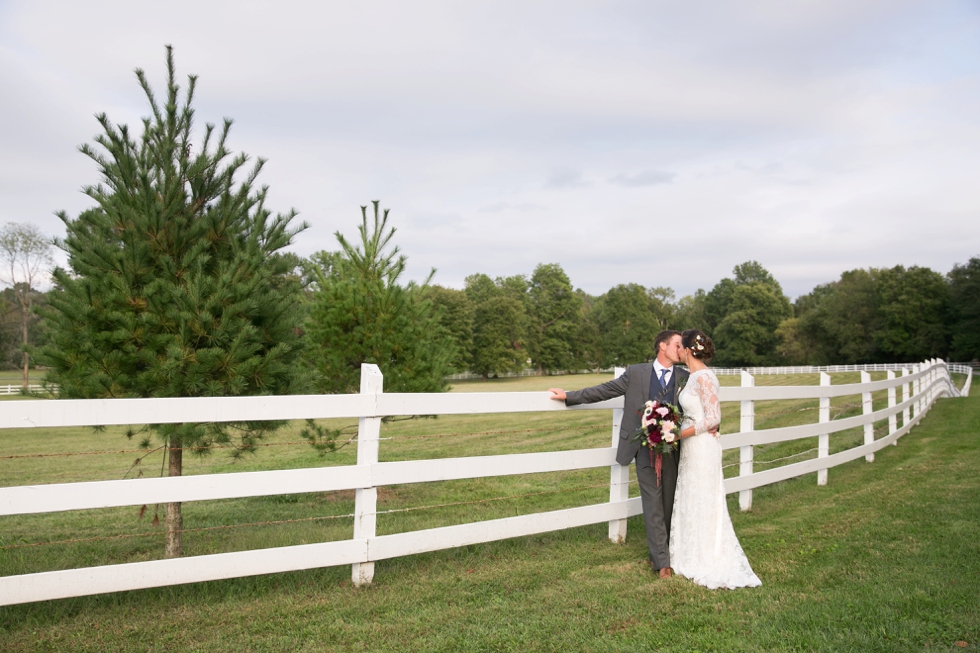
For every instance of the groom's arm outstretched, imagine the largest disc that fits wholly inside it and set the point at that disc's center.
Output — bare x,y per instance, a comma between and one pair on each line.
609,390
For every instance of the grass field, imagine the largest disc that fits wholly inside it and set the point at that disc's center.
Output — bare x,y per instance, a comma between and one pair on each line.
16,376
883,558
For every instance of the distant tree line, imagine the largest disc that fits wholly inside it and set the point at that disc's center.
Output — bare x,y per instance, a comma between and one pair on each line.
867,316
357,310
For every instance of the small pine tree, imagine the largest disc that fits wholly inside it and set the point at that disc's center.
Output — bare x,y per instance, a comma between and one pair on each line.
360,314
177,285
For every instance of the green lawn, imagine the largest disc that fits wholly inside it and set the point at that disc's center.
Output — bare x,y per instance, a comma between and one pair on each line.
15,377
886,557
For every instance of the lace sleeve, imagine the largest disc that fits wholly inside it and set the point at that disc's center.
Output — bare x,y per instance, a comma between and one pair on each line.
707,389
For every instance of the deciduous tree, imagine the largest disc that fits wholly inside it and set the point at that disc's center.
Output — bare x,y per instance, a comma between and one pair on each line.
25,253
588,342
964,286
499,324
554,315
745,313
455,314
690,313
913,305
631,316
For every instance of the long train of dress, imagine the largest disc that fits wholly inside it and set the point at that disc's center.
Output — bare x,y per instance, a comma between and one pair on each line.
703,545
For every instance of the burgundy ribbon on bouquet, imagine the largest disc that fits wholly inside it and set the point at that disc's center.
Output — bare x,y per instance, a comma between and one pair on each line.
658,465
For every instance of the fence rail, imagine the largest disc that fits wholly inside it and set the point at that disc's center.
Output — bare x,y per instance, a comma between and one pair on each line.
962,368
11,389
919,384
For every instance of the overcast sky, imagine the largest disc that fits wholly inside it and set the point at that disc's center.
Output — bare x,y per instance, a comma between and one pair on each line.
659,143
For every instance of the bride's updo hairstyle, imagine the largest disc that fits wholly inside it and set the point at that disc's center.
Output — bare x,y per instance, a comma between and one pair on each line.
699,344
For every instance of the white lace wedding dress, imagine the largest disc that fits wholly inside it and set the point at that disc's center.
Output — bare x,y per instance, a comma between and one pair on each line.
703,546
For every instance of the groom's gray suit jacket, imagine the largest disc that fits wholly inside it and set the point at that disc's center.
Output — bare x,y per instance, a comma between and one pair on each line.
657,497
634,387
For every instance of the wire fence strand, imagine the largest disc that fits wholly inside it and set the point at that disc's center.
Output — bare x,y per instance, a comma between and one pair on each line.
114,452
308,519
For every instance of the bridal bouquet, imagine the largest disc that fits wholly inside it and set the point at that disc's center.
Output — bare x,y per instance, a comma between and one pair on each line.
659,429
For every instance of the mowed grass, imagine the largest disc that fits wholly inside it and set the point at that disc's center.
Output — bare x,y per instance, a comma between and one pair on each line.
883,558
17,376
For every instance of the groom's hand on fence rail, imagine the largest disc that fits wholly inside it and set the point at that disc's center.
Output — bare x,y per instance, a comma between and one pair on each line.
557,394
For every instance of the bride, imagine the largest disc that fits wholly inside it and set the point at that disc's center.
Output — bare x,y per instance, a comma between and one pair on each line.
703,545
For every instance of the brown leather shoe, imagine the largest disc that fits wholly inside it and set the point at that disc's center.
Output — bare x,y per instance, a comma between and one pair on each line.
666,572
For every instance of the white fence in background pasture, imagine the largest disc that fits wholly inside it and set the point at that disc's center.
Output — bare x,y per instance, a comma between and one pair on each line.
962,368
955,368
920,385
16,389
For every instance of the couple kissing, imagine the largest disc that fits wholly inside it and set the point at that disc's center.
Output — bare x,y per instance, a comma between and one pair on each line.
686,516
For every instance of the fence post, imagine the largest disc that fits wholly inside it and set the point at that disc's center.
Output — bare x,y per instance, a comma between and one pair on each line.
869,428
893,418
916,386
932,383
619,475
366,499
823,445
745,453
927,388
905,397
930,380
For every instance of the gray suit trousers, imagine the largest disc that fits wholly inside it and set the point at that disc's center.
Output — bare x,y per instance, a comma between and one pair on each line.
658,501
658,504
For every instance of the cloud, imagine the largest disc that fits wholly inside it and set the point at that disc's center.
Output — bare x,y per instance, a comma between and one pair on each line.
566,179
643,178
523,207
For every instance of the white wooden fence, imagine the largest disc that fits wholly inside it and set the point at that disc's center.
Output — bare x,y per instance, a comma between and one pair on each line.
963,368
959,368
16,389
920,385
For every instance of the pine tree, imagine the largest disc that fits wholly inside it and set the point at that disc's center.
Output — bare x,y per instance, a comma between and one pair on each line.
361,314
177,286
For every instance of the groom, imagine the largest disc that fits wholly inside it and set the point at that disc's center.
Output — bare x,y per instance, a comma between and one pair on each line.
659,381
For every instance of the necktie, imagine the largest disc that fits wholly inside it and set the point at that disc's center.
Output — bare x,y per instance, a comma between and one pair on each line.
663,378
